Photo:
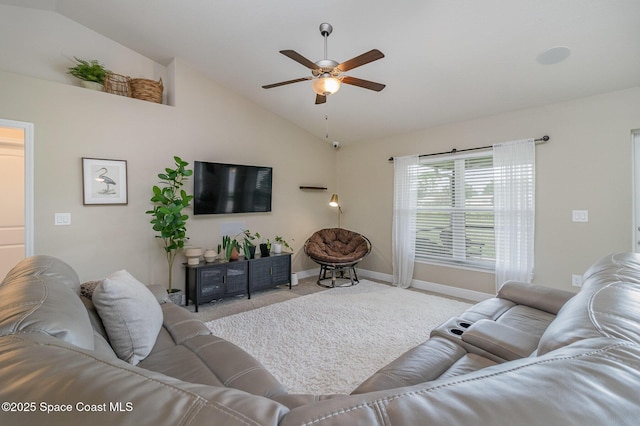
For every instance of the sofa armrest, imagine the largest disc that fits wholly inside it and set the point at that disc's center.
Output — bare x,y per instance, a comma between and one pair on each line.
506,342
159,292
423,363
536,296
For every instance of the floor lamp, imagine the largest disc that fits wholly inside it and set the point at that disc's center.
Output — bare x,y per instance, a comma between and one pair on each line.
334,203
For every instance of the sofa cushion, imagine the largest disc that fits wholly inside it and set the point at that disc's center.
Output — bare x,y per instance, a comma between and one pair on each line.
204,358
130,313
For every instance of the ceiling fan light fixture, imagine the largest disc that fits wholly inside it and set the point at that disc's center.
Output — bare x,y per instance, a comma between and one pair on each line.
326,85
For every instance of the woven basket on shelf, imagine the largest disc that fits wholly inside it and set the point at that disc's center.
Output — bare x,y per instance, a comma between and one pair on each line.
117,84
147,90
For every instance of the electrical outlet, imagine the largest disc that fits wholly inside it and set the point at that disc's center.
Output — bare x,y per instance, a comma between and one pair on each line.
580,215
576,280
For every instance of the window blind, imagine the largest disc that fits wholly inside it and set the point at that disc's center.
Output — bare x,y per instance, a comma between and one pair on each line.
455,218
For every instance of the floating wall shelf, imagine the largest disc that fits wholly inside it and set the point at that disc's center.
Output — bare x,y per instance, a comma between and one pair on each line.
313,188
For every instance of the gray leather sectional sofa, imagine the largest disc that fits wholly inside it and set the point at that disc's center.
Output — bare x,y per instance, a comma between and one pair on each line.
531,355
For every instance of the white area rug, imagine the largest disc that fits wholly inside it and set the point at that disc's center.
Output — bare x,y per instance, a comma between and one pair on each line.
331,341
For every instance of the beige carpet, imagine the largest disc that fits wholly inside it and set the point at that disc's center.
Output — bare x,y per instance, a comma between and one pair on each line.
331,341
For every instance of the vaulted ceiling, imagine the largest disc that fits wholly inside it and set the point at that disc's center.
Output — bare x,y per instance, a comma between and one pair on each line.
445,60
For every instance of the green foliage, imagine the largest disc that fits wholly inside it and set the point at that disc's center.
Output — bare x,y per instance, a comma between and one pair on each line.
89,70
282,241
242,241
169,201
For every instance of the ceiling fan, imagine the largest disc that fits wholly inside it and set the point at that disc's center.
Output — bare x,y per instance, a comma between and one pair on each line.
327,74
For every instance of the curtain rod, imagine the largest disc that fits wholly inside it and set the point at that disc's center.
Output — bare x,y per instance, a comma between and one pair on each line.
543,139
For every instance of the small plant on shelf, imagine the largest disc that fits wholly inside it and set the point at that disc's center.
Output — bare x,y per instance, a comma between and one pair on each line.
88,70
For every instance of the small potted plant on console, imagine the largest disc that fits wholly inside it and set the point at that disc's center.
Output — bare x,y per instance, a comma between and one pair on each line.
265,247
247,243
279,243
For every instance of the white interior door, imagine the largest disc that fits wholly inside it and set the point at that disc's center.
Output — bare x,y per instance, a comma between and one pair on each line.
16,187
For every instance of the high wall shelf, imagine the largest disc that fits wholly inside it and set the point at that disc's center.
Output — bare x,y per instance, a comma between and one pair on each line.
205,282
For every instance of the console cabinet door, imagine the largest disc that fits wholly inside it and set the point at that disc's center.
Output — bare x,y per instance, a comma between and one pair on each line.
260,273
236,280
280,269
211,283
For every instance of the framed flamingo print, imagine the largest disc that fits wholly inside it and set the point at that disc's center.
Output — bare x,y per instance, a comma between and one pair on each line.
104,181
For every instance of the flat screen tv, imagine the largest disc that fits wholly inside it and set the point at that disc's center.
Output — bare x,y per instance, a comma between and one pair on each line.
220,188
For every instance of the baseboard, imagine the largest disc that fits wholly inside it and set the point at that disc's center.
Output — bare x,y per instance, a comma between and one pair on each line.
462,293
308,273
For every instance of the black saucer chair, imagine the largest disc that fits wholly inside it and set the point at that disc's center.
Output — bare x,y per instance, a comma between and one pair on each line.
337,250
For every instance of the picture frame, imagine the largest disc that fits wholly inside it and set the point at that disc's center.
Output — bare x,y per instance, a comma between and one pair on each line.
104,181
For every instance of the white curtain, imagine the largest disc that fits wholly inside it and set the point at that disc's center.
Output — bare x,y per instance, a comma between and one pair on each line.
514,205
405,202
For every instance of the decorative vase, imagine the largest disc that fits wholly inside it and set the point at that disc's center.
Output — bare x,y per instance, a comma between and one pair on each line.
92,85
277,248
210,255
252,252
264,250
193,255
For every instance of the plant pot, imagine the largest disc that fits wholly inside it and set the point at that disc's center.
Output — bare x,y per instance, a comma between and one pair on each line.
252,252
92,85
176,297
277,248
234,254
264,250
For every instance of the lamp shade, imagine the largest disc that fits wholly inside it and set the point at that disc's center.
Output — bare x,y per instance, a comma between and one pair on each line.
334,200
326,85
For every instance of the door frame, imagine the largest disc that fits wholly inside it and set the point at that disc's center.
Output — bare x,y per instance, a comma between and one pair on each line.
635,148
28,181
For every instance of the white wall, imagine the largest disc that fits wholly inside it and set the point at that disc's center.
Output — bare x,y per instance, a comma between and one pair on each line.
208,122
585,166
43,44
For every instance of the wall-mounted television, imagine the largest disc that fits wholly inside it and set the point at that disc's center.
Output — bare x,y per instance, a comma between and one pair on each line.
220,188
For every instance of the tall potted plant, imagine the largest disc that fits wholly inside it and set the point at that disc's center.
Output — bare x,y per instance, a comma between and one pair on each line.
168,219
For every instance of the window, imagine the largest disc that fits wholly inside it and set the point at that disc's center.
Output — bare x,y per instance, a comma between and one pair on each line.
455,217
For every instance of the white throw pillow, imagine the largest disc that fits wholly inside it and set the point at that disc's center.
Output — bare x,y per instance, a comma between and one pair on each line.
130,313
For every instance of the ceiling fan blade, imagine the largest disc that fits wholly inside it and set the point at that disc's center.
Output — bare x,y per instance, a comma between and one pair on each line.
292,54
371,85
320,99
365,58
282,83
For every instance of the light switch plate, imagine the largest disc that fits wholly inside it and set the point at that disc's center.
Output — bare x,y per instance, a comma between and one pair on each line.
581,215
62,219
576,280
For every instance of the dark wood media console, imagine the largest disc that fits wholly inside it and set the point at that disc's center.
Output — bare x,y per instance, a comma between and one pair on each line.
211,281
